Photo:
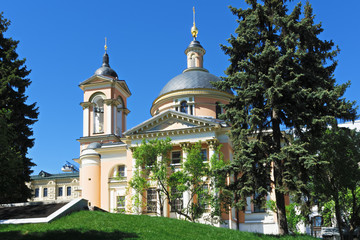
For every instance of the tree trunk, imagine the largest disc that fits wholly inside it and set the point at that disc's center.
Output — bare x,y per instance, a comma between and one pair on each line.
161,204
278,175
338,215
281,213
236,208
237,220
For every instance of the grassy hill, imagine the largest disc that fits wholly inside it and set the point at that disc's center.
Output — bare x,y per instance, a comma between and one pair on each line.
100,225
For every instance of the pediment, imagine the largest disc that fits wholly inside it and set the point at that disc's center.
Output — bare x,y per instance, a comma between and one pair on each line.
170,121
171,124
96,79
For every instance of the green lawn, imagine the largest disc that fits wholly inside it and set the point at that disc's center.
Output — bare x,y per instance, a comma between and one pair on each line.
101,225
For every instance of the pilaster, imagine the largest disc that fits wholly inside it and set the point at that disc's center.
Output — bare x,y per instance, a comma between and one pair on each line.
86,118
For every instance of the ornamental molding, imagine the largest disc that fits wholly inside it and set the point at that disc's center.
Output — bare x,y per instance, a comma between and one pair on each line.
195,49
98,81
113,102
98,138
170,133
85,105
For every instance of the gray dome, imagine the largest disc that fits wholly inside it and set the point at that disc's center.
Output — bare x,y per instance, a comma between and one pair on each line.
105,69
94,145
191,78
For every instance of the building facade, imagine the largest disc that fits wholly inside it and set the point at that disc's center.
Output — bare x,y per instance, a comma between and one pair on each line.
186,110
54,187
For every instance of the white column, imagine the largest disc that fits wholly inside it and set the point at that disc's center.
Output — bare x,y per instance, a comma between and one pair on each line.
166,207
108,118
125,117
86,122
112,205
186,194
211,153
119,122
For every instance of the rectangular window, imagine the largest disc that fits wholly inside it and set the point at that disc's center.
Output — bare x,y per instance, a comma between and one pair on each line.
203,197
121,171
60,191
45,192
204,155
120,204
177,200
68,191
258,207
176,157
36,192
151,200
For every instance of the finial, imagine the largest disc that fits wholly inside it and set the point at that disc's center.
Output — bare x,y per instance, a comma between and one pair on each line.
105,47
194,30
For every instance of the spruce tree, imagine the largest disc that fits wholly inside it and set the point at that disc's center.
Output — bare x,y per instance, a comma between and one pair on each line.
282,75
16,118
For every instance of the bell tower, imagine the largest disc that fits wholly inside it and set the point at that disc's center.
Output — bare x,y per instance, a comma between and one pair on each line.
104,121
105,105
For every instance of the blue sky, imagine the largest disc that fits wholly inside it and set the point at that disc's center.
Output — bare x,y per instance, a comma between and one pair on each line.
63,43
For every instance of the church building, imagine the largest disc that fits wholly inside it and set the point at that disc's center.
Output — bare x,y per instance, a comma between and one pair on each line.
186,110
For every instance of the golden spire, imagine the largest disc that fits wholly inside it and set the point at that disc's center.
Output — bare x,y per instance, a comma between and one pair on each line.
105,47
194,30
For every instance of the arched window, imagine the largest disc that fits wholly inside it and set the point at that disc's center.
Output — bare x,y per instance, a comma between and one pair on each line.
98,106
184,107
119,171
218,110
192,60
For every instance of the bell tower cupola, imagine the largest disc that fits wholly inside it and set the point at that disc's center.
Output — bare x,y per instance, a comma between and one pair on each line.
192,91
194,52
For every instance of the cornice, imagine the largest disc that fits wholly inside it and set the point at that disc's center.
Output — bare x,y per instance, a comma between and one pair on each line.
213,93
106,82
98,138
112,148
168,115
170,133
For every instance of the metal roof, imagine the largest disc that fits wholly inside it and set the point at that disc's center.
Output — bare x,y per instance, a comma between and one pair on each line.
191,78
55,176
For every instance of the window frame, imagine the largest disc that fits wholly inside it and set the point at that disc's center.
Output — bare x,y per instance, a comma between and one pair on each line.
151,203
123,171
60,192
184,107
178,159
258,208
45,192
204,156
218,110
206,188
178,203
120,204
67,191
37,193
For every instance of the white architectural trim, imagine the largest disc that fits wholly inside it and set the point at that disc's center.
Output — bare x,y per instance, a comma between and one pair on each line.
74,205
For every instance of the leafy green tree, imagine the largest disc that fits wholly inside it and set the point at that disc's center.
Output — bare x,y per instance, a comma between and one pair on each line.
337,182
16,118
194,177
281,74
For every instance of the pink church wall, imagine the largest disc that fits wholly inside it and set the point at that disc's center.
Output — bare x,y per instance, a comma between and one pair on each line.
91,188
